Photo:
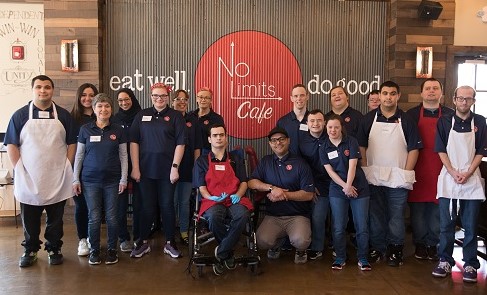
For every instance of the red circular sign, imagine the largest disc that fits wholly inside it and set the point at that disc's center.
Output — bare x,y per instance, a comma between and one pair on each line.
251,75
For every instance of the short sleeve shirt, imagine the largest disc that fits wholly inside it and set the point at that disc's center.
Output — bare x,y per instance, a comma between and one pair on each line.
351,117
309,147
292,125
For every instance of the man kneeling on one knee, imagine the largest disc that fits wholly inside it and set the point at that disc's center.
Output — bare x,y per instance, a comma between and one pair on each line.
222,182
289,182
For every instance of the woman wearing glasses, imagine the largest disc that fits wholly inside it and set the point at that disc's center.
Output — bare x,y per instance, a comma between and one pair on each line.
129,107
192,151
157,139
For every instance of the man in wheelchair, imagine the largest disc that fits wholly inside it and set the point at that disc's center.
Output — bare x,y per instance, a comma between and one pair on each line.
222,182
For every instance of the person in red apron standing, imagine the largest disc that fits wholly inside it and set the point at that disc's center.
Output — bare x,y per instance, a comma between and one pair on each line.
389,143
222,183
425,218
41,142
461,142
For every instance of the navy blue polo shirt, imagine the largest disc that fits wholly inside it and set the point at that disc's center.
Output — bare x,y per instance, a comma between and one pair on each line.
346,150
291,173
409,128
351,117
201,168
204,124
414,112
291,124
193,142
101,163
158,134
309,147
443,128
21,116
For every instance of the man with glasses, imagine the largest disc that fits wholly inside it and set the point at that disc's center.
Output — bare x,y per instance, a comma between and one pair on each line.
461,142
288,181
206,116
373,100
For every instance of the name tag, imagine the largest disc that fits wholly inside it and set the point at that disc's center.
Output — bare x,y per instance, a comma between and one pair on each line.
303,127
332,155
146,118
95,138
220,167
43,115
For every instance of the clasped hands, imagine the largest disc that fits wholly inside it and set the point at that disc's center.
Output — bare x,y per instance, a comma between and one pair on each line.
235,198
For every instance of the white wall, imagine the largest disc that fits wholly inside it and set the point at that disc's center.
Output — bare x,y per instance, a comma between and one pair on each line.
470,30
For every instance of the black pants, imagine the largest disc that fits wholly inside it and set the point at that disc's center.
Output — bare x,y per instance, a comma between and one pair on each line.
31,220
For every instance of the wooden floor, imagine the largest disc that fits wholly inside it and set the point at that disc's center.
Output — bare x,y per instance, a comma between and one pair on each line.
156,273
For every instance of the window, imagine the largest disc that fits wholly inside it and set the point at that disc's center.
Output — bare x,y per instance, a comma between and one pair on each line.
474,73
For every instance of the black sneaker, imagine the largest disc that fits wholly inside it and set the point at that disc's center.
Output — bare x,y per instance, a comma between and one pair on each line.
112,256
421,252
375,256
395,255
94,257
218,268
28,259
56,257
432,253
313,255
230,263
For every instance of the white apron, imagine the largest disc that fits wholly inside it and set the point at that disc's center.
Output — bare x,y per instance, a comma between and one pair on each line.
43,174
387,156
461,152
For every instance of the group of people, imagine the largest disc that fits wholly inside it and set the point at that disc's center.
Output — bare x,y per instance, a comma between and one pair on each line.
321,165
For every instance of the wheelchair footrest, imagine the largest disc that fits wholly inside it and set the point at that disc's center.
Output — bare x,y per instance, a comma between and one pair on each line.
211,260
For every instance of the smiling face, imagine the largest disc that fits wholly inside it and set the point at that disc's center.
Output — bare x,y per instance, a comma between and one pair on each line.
279,144
373,102
300,98
87,97
316,124
160,98
42,91
334,129
124,101
338,98
463,101
203,98
180,102
103,111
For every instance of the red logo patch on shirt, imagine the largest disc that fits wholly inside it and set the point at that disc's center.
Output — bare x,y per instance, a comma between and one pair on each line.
188,124
475,129
346,152
206,122
347,119
166,118
289,167
113,137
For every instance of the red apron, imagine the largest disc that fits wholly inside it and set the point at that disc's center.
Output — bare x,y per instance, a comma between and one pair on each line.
221,178
429,164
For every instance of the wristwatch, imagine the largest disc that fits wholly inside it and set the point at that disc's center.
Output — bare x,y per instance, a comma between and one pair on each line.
175,165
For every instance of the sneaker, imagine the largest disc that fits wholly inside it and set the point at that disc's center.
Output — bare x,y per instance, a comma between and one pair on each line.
140,249
112,256
432,253
421,252
55,257
28,259
185,238
300,257
364,265
94,257
83,248
274,253
395,259
126,246
469,274
313,255
375,256
218,268
230,263
171,250
338,264
442,269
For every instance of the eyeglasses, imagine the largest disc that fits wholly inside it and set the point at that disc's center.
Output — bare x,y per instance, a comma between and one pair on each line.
123,100
204,97
462,99
280,140
156,96
181,99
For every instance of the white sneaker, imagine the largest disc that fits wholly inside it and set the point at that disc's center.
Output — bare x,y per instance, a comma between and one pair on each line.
83,248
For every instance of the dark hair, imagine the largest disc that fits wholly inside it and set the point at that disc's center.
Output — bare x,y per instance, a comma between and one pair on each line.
300,85
217,125
42,78
390,84
373,92
345,91
77,111
176,93
431,79
316,111
340,119
464,87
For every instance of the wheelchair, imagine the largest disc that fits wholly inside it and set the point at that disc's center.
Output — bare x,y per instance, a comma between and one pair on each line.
202,241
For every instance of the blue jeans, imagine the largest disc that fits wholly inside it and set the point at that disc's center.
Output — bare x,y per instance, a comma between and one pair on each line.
182,196
386,209
157,192
81,216
217,220
318,223
469,212
99,197
425,222
339,212
123,202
